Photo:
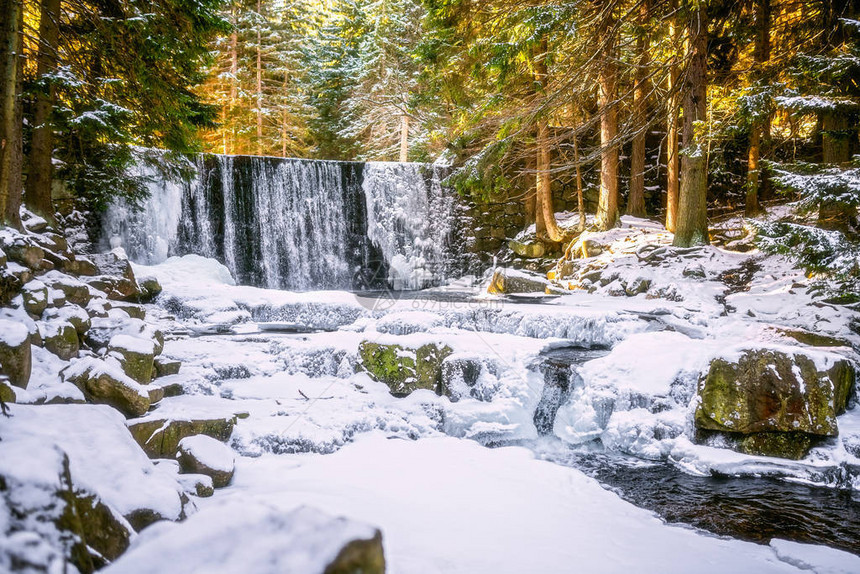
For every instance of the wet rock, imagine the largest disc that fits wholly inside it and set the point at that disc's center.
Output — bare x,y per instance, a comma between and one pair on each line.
771,392
201,454
165,367
160,437
405,370
15,353
61,338
135,354
105,383
513,281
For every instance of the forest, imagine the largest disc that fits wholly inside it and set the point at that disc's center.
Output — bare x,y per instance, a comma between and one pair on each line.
418,286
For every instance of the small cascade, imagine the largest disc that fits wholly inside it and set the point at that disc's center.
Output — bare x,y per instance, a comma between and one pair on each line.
298,224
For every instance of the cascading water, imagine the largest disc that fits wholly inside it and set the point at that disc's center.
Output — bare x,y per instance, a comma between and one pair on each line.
298,224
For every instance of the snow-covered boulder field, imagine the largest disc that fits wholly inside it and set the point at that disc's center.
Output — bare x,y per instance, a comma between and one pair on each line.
219,427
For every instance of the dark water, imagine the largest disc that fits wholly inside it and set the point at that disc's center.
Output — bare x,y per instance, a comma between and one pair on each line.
753,509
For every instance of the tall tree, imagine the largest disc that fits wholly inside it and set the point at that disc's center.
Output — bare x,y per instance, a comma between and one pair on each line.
12,15
37,191
674,106
607,205
692,222
545,212
636,197
760,122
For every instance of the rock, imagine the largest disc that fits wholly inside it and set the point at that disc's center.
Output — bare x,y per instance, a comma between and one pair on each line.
80,266
165,367
150,288
405,370
813,339
117,276
32,222
197,484
35,296
61,338
156,393
15,353
260,538
201,454
75,315
75,291
530,249
65,521
21,249
104,329
771,392
513,281
160,437
637,286
104,383
7,393
135,354
132,310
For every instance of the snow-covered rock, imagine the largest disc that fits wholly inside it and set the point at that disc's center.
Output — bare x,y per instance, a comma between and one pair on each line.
201,454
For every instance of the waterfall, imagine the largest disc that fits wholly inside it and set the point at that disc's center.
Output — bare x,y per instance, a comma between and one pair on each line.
297,224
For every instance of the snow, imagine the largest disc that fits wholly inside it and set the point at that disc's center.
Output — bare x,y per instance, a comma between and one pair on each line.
13,334
247,536
447,505
209,452
818,559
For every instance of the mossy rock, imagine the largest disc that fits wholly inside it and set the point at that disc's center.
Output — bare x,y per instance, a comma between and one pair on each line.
135,354
405,370
814,339
35,296
7,393
365,556
15,354
61,338
104,383
528,249
150,288
165,367
160,437
769,392
790,445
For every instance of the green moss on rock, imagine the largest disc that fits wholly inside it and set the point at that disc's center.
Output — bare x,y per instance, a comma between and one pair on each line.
775,396
160,438
404,370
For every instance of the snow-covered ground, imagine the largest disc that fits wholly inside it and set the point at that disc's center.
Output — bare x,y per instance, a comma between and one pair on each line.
314,431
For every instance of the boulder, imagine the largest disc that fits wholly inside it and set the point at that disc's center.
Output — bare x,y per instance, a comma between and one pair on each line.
771,392
103,382
135,354
529,249
7,393
131,309
117,276
258,537
60,337
80,266
32,222
160,437
75,315
405,370
15,353
201,454
74,291
67,524
21,249
35,296
156,393
150,288
165,367
514,281
197,484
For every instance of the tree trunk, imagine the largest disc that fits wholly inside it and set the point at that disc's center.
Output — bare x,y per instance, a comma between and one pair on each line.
259,79
607,205
11,16
636,199
37,191
404,138
672,164
580,203
284,119
234,71
692,223
545,214
761,54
